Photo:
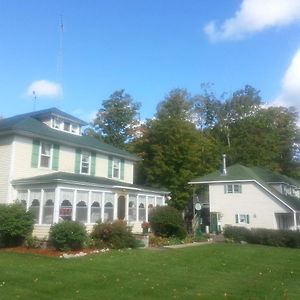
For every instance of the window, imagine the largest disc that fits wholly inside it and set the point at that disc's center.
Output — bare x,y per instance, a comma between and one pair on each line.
22,197
233,188
108,207
67,126
132,208
242,219
151,204
159,201
142,208
96,199
81,212
74,128
35,209
56,123
108,212
65,210
45,157
95,212
48,212
116,168
85,163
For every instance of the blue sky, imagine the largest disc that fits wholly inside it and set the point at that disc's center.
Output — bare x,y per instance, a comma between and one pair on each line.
147,47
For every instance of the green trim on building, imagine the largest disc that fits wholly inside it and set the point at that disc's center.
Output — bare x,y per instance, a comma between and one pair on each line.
55,157
35,153
93,163
77,161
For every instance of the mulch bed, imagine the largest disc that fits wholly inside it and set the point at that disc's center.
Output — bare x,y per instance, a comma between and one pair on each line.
42,251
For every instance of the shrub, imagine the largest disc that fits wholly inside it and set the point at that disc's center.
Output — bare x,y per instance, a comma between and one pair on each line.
116,235
270,237
68,235
15,224
166,221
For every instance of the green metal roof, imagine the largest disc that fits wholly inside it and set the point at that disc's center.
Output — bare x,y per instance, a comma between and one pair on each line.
28,125
262,176
53,111
71,178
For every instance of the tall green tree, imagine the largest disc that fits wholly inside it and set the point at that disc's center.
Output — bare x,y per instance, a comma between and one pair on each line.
116,121
173,150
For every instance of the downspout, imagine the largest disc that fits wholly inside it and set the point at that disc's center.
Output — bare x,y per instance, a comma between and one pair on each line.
295,220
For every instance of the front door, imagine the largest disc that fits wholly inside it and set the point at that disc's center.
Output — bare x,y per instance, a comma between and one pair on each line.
121,208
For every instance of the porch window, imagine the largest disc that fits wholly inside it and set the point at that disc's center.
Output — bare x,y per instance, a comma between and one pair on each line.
95,212
233,188
108,212
96,199
65,210
45,155
142,208
108,207
81,212
22,197
151,204
35,209
132,208
48,212
159,201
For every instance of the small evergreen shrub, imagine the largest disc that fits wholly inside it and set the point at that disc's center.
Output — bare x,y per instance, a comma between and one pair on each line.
68,235
166,221
270,237
116,235
15,224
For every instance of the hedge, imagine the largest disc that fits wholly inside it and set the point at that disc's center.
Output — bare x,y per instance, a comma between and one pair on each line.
270,237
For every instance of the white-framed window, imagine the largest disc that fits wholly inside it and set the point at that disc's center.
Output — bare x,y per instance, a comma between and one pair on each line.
67,126
242,219
116,168
132,201
56,123
96,207
75,128
45,155
48,206
85,163
142,208
233,188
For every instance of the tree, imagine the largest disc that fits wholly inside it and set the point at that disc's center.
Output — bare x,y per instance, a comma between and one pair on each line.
173,150
116,121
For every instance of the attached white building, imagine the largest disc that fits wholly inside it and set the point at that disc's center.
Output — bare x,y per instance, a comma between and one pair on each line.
60,174
251,197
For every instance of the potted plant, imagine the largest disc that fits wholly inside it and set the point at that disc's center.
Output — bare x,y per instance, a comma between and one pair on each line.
145,226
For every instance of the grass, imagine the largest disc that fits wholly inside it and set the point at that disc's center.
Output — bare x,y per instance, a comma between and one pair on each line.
217,271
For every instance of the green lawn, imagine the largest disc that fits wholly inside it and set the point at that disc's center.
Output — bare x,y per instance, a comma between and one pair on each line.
217,271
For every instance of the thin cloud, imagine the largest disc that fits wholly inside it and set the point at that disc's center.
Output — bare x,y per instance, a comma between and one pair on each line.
290,85
254,16
44,88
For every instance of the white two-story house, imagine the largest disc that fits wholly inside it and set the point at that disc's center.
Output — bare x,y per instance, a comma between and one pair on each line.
252,197
60,174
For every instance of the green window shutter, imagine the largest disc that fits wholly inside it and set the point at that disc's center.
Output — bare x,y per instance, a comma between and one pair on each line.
248,219
240,188
55,157
122,168
77,161
110,162
225,188
35,153
93,163
236,218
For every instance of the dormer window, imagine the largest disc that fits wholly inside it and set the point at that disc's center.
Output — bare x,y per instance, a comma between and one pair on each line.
56,123
75,129
67,126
